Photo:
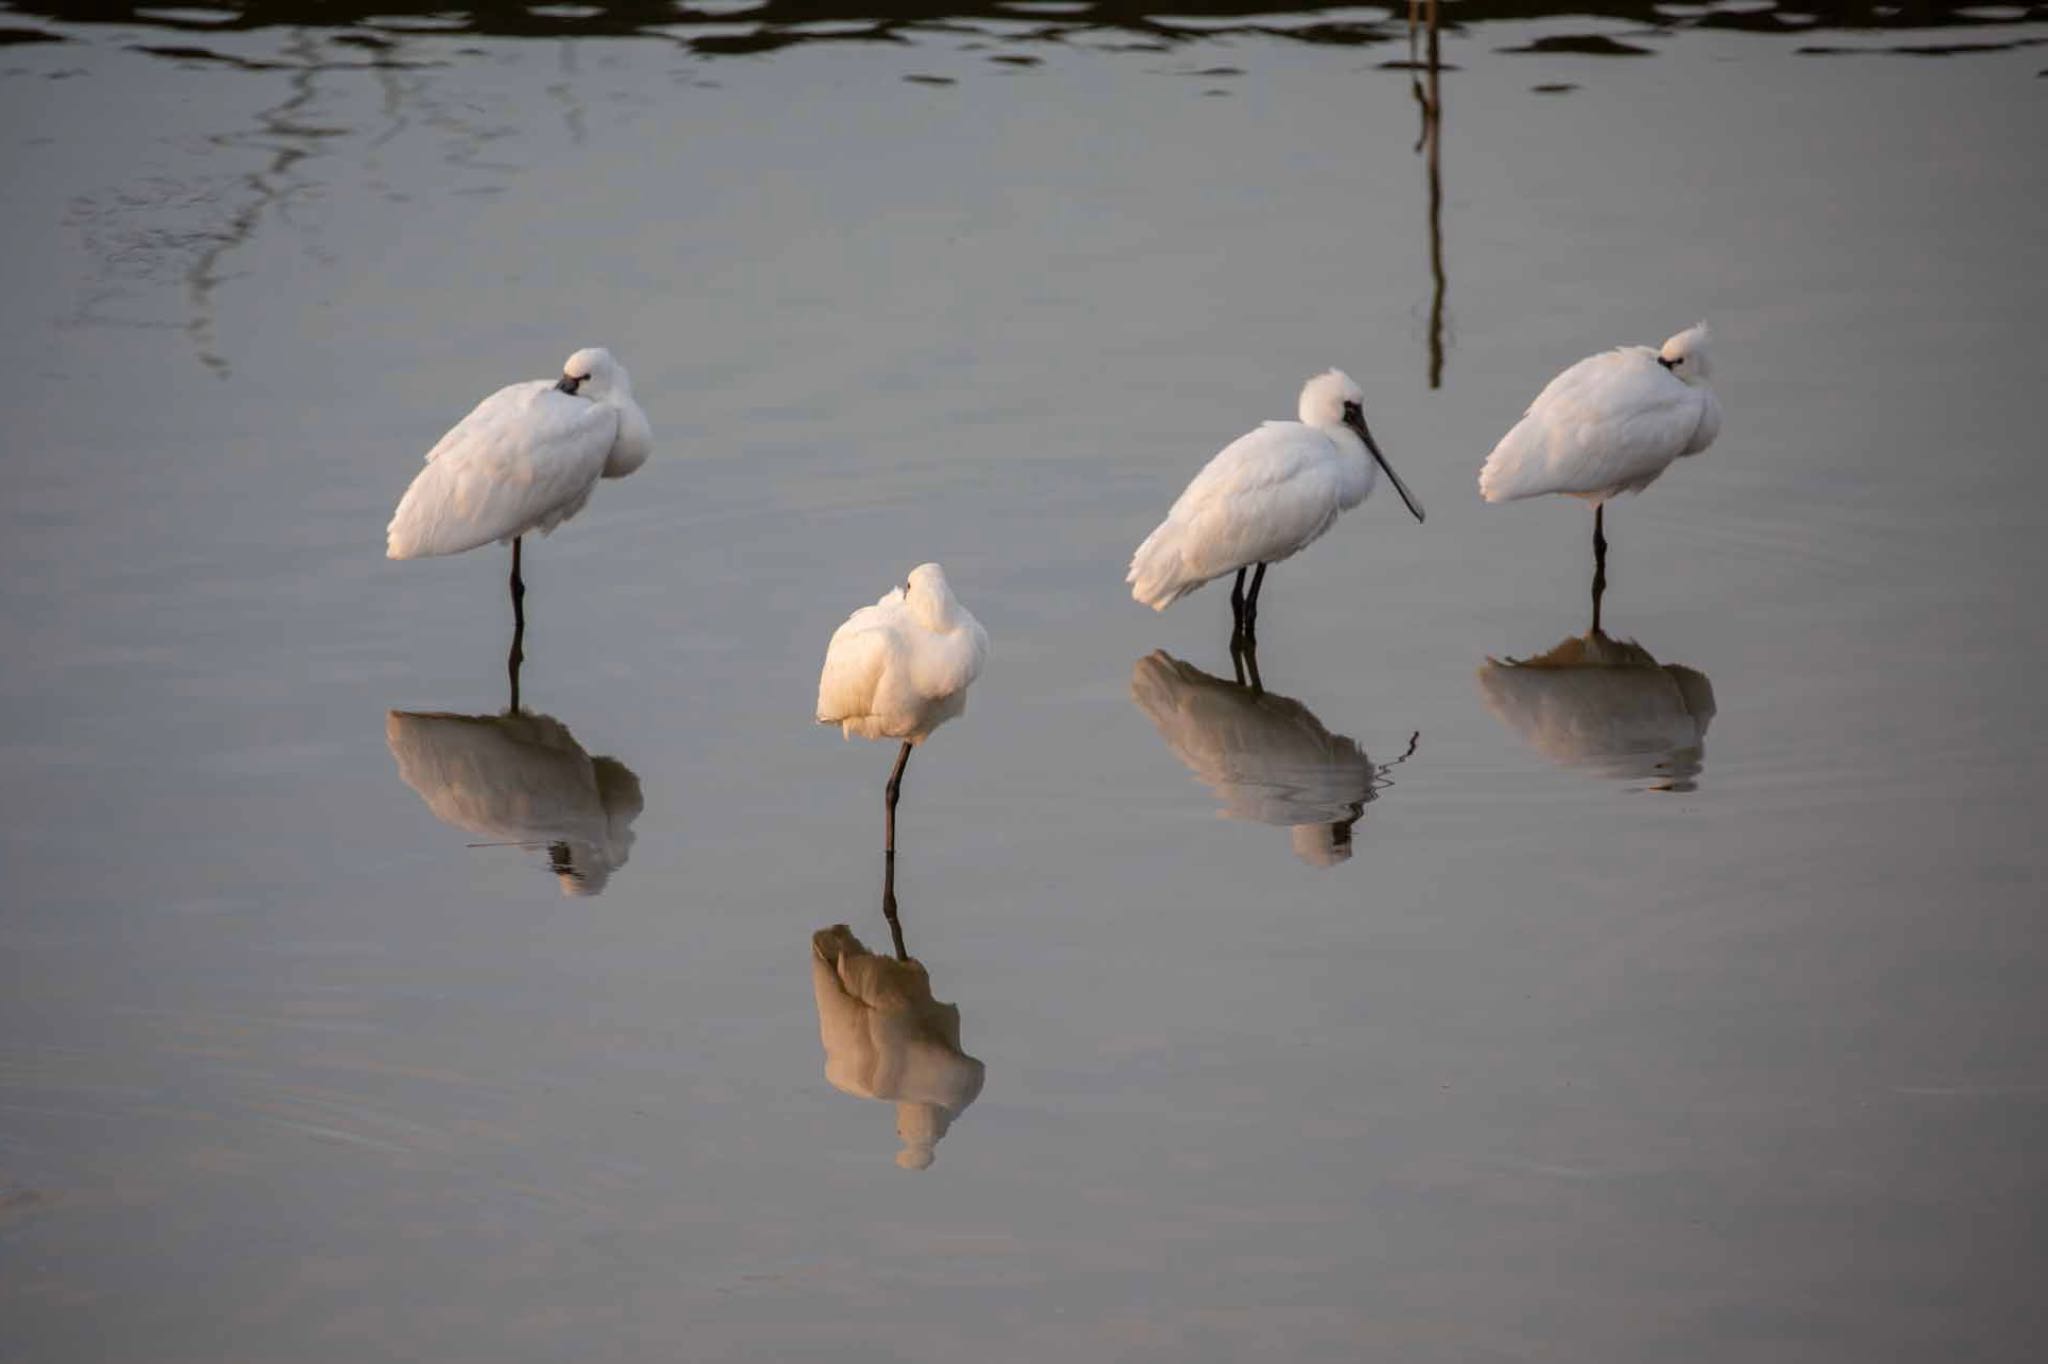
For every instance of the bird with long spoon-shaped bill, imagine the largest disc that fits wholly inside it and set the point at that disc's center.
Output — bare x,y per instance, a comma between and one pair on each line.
901,668
1611,424
1266,496
525,459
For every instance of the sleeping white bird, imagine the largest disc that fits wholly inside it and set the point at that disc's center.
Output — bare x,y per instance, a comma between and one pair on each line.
526,459
901,668
1610,424
1265,497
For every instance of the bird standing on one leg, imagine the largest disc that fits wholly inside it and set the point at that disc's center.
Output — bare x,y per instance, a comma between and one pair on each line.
1610,424
901,668
1265,497
526,459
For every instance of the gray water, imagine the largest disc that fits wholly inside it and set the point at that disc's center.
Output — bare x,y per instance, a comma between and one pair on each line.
1722,1039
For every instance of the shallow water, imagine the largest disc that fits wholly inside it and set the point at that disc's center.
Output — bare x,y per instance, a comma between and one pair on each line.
1710,1032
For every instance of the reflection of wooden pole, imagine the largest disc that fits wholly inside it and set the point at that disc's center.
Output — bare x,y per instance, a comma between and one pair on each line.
1436,206
1432,142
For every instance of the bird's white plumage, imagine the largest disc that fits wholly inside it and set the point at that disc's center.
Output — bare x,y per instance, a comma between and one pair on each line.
525,459
901,668
1610,424
1265,497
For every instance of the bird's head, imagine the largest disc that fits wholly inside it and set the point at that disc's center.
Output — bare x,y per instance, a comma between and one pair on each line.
1333,398
592,373
929,597
1685,354
1326,399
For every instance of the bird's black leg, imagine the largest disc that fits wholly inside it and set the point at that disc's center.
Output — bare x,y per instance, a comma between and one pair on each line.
1237,610
1599,561
889,904
1251,608
895,786
518,654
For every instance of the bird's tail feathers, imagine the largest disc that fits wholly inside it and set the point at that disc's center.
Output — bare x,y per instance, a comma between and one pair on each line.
846,686
1507,472
1159,574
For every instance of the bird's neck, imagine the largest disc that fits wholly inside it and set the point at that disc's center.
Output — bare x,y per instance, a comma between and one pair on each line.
1354,469
634,442
938,614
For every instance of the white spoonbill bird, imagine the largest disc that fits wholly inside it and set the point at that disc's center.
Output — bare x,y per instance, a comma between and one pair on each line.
524,460
1265,497
901,668
1609,425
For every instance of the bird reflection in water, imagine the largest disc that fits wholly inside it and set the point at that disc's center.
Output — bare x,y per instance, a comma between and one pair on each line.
886,1037
1606,706
521,779
1267,758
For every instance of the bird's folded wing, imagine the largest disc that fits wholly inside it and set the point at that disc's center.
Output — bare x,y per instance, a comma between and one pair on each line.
526,451
1273,454
855,660
1263,497
1609,421
943,665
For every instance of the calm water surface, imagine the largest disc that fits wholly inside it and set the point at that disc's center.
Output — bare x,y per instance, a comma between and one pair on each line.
1425,1008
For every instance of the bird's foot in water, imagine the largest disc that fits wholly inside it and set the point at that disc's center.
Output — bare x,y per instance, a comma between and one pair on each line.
1244,661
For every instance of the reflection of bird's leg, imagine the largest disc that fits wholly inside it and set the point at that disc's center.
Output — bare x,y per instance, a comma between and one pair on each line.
889,904
1244,660
518,654
1599,561
895,786
1340,830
